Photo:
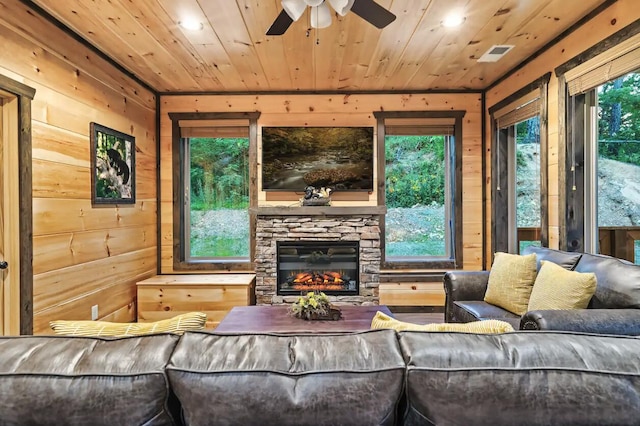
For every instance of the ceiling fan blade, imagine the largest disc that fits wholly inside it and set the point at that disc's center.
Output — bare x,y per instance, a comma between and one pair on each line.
373,13
280,25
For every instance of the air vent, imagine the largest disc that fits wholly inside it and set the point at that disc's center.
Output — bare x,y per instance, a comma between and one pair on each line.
495,53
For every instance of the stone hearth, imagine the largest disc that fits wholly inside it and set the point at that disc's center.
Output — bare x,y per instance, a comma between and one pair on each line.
324,224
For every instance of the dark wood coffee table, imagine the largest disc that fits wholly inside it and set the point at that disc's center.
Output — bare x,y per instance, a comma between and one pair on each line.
275,319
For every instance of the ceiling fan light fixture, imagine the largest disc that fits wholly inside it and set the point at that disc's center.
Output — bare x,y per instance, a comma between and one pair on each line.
342,7
313,3
320,16
294,8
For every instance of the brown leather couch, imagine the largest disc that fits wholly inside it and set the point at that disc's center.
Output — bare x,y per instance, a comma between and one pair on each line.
371,378
614,308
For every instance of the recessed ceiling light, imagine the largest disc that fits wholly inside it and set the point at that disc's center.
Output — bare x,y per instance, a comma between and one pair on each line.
453,20
191,24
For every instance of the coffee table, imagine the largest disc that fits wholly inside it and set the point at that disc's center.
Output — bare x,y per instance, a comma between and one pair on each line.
275,319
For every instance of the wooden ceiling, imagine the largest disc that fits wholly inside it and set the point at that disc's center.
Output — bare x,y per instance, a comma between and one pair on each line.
232,53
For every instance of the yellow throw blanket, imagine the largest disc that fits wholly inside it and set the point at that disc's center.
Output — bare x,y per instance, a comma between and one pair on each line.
381,320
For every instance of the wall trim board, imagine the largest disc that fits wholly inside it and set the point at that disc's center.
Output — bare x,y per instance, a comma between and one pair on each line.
177,116
457,114
483,149
16,87
26,217
158,188
326,92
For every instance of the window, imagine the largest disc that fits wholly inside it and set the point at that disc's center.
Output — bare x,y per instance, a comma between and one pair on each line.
422,188
612,167
212,221
600,150
528,186
617,167
519,185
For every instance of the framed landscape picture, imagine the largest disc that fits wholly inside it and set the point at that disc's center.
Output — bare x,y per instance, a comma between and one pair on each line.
113,166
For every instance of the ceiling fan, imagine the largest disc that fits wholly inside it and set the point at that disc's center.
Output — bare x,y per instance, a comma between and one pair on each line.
320,17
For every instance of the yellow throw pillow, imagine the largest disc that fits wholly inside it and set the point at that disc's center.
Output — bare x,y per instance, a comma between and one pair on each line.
558,288
510,281
177,325
381,320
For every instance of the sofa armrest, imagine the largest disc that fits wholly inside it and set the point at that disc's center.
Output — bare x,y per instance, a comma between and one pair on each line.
601,321
463,285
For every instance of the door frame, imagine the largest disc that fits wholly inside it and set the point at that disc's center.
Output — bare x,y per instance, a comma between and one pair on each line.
17,108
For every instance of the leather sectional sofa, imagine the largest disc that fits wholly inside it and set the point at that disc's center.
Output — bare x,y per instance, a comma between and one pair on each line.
371,378
614,308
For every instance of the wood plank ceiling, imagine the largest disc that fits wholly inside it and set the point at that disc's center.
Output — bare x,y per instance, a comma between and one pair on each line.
231,53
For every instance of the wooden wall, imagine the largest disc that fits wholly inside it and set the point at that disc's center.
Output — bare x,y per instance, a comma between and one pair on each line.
83,256
327,110
611,20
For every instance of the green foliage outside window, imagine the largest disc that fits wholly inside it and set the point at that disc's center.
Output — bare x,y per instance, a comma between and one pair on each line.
415,170
619,119
219,173
415,196
219,189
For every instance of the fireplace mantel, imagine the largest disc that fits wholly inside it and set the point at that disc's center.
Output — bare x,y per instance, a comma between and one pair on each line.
318,210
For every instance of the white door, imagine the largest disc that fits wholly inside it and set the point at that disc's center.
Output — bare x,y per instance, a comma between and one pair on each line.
9,217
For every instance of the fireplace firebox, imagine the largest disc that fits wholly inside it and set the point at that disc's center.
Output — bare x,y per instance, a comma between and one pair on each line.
327,266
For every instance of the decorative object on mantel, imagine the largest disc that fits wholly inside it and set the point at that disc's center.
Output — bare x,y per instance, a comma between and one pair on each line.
316,197
315,306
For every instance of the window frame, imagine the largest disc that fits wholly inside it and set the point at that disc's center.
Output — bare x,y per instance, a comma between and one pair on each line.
574,119
454,180
180,222
503,142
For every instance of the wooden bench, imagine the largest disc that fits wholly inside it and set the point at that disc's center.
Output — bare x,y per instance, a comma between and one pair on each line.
411,288
165,296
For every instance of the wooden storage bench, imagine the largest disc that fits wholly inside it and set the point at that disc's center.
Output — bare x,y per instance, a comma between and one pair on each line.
411,288
165,296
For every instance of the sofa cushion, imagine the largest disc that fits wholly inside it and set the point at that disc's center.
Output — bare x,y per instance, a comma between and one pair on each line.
510,281
618,282
54,380
524,378
568,260
384,321
557,288
303,379
178,325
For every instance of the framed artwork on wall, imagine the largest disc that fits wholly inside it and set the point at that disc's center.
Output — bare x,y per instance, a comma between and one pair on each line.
113,166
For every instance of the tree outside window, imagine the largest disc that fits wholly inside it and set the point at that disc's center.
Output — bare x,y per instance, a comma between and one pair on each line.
219,197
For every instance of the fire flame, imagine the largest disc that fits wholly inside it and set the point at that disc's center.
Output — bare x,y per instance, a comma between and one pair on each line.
318,281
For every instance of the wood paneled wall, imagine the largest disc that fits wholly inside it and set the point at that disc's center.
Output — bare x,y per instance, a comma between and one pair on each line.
611,20
83,255
328,110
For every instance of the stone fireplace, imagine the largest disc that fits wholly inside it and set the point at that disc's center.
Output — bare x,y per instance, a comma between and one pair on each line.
319,226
